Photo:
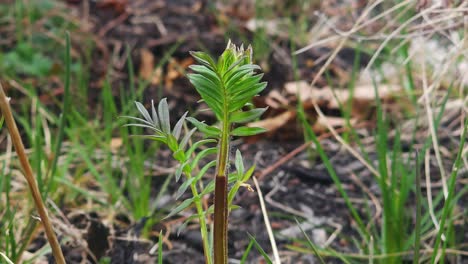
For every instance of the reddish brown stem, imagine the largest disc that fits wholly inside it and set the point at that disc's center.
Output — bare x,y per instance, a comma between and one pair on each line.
220,220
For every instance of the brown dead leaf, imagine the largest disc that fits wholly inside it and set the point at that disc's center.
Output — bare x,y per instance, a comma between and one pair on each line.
275,100
276,122
331,99
176,69
115,144
147,71
320,126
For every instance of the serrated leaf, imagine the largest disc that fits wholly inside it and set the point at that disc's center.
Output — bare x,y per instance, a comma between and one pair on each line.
178,126
163,112
206,129
247,116
180,208
247,131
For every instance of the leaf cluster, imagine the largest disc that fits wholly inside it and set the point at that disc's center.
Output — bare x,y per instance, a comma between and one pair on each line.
189,157
227,86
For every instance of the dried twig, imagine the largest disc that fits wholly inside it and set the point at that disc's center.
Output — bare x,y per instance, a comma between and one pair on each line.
28,174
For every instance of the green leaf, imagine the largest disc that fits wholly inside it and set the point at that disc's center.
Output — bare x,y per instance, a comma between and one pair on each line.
179,155
155,115
180,169
202,155
205,169
204,59
178,126
249,91
180,207
186,138
145,126
184,187
248,174
163,111
247,131
162,139
197,145
206,129
186,222
209,74
247,116
209,188
243,71
239,163
144,112
244,85
210,93
172,143
139,120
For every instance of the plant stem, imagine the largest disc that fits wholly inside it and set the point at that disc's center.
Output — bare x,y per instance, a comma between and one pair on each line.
220,221
220,198
28,174
203,226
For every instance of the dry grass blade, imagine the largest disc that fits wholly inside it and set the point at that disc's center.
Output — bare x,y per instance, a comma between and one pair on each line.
267,224
28,174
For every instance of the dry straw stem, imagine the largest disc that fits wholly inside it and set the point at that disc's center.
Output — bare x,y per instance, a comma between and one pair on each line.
267,223
28,174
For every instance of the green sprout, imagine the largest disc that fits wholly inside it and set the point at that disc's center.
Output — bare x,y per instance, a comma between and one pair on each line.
227,86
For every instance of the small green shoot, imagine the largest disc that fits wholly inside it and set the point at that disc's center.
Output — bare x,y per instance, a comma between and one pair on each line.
226,86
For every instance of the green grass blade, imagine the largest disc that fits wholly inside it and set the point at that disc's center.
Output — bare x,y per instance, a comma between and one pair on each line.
311,134
310,244
260,249
448,205
63,117
246,252
160,248
417,237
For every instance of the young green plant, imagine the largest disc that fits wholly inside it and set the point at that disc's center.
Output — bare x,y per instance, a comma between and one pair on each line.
227,86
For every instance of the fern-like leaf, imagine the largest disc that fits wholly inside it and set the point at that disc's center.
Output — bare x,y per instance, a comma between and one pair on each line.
227,85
